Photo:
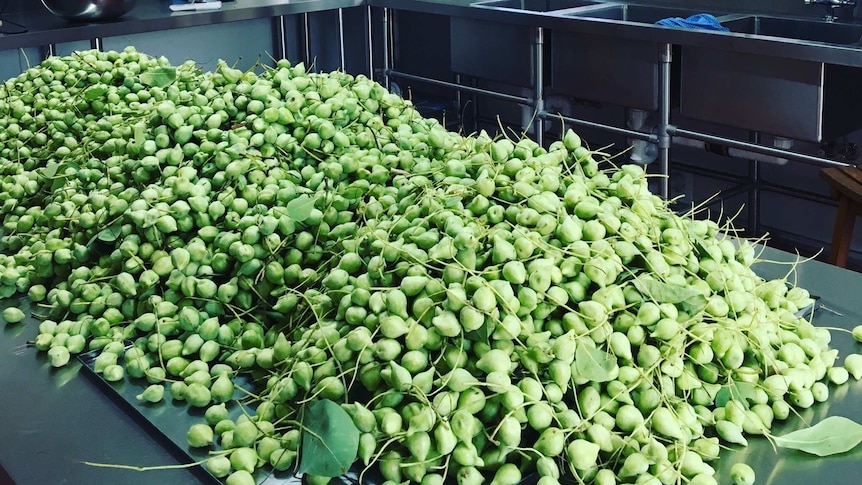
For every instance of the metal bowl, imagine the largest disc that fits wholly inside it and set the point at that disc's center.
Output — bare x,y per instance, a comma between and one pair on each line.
89,9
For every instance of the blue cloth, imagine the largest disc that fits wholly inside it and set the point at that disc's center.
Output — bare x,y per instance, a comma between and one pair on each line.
699,21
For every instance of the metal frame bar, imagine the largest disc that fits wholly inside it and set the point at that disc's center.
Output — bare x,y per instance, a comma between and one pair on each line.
664,141
48,50
539,85
281,37
752,147
387,46
460,87
369,40
343,63
601,126
306,28
754,192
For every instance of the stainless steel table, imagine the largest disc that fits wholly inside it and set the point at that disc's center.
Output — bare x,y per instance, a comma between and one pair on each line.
53,420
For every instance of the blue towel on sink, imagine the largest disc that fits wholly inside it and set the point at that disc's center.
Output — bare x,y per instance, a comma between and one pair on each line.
699,21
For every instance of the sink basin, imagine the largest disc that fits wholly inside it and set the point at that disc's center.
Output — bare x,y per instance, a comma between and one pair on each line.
799,29
501,51
534,5
610,69
643,14
792,98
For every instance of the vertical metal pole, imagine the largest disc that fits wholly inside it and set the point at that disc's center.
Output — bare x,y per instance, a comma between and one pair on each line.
754,190
539,79
281,36
341,38
459,100
306,39
369,41
49,50
96,43
666,57
387,29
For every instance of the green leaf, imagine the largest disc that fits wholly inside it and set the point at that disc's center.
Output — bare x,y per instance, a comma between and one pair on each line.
330,440
299,209
699,247
95,92
694,305
481,334
140,131
742,392
110,233
833,435
664,292
50,169
159,77
7,291
690,299
594,364
60,181
354,191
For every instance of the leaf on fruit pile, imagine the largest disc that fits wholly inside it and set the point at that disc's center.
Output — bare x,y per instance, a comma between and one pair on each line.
159,77
299,209
594,364
330,440
662,292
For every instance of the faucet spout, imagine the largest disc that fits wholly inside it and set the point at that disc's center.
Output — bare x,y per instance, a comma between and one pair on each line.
832,7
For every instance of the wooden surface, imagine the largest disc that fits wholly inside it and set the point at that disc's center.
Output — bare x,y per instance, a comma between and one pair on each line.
846,183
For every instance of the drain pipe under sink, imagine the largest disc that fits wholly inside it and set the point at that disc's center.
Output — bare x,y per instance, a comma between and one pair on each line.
642,152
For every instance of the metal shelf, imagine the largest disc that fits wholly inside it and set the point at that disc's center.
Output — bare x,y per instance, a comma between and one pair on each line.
44,28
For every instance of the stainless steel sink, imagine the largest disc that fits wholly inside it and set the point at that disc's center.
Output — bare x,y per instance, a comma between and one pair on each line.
799,29
643,14
497,50
534,5
803,100
610,69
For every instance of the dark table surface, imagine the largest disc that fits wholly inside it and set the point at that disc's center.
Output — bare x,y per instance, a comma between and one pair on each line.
53,420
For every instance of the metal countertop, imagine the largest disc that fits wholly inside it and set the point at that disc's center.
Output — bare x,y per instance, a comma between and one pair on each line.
45,28
150,16
726,41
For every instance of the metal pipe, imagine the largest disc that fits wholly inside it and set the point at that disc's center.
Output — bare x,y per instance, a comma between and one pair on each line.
776,152
369,40
306,38
49,50
436,82
539,101
706,172
733,192
754,192
341,38
764,186
665,58
96,43
600,126
281,36
798,193
458,97
386,40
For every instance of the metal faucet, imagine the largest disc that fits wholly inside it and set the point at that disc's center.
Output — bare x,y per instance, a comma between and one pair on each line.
831,7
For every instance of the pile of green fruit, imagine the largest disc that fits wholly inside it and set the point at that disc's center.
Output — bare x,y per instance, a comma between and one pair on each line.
443,307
